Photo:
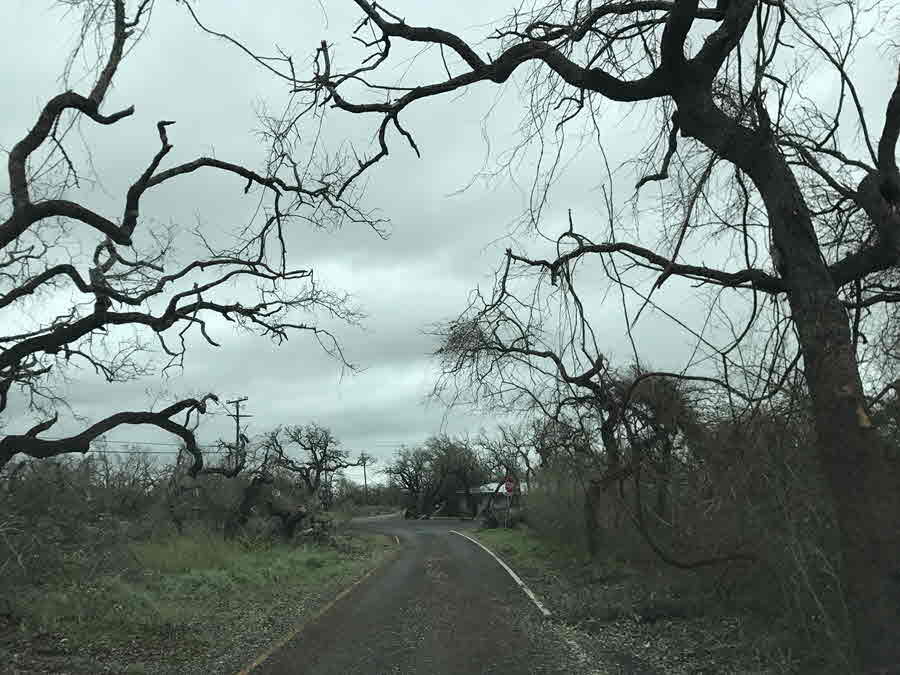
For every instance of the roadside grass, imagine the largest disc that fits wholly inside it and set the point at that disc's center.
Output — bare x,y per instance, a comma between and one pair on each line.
522,546
176,584
200,549
668,619
181,594
566,572
529,555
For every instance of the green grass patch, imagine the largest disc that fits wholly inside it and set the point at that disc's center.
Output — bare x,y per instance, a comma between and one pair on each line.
523,548
186,582
182,553
519,546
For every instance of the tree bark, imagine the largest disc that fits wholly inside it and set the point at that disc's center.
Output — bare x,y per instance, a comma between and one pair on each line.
862,472
861,469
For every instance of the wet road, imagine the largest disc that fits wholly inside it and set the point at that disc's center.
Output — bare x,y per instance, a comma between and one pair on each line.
443,606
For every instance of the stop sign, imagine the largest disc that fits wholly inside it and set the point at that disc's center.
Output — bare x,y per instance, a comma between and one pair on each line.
510,485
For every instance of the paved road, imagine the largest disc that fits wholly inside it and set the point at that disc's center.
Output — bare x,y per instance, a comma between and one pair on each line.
442,607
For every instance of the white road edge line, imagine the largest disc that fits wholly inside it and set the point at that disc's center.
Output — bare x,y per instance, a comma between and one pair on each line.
516,578
397,538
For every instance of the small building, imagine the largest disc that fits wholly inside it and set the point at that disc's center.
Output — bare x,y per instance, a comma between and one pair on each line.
478,498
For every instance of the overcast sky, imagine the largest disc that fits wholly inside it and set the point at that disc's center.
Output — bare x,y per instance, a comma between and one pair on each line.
441,245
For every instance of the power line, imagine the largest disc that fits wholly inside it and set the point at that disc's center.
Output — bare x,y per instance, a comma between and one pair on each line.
174,445
105,440
386,444
208,448
146,452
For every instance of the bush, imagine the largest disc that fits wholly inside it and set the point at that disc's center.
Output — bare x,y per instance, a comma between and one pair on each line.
756,490
555,508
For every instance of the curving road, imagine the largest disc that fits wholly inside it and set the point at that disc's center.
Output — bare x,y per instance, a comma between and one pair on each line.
443,606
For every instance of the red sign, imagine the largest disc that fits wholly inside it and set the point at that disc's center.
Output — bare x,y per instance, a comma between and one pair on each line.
510,485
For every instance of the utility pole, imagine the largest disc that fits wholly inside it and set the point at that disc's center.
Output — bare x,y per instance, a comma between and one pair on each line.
236,415
365,483
365,459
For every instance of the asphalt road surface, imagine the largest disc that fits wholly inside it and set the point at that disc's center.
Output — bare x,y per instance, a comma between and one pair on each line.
443,606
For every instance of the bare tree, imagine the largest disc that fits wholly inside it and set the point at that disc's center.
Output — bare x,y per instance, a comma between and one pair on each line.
415,472
264,468
320,456
746,154
298,461
509,451
133,281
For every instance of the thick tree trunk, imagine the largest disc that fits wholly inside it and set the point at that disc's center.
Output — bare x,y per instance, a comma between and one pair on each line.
861,469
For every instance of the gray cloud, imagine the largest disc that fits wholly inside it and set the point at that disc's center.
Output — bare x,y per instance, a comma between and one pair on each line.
441,246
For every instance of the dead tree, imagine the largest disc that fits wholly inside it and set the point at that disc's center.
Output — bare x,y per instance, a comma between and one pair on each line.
417,473
132,281
286,477
509,451
312,454
814,219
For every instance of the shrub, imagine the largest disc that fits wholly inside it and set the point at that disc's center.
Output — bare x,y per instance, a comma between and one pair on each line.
757,490
555,508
